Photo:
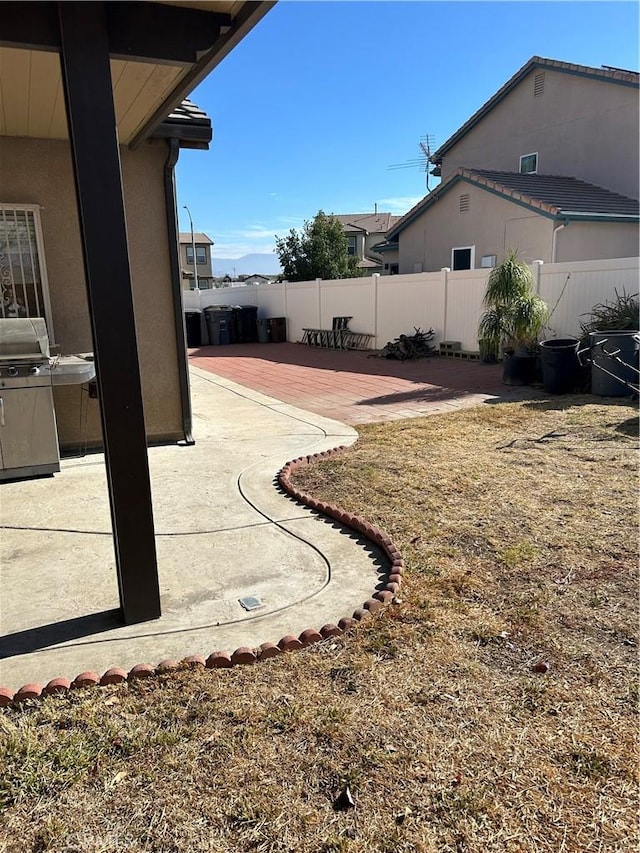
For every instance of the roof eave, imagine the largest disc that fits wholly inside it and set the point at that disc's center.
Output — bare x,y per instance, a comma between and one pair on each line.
250,14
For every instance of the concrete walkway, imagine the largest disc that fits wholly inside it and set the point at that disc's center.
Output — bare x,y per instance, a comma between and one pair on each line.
224,532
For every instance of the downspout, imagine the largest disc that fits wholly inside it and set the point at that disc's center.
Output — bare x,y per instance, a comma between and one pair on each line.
553,239
176,287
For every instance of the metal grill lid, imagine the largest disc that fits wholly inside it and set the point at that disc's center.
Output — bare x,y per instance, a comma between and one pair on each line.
23,338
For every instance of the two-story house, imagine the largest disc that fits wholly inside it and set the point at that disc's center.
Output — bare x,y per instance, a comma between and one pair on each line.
365,232
202,263
547,166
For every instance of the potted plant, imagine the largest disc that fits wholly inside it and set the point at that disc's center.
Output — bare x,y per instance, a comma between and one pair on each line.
513,318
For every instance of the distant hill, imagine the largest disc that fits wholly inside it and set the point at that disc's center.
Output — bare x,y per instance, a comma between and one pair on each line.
266,264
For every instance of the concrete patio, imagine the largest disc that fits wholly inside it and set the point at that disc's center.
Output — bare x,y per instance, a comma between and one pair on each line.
224,531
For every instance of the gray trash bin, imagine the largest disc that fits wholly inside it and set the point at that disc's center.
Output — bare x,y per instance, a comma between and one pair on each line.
608,376
220,323
263,332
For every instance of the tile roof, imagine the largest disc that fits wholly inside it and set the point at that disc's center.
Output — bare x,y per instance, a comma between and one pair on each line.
555,196
374,223
187,123
605,74
188,113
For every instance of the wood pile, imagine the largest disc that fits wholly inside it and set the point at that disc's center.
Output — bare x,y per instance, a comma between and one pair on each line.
406,347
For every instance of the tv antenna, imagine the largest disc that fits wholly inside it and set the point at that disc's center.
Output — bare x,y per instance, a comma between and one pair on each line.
422,162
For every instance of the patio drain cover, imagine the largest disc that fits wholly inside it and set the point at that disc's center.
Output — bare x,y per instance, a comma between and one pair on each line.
250,603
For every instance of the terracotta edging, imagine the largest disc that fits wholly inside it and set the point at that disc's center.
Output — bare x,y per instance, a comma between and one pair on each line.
244,655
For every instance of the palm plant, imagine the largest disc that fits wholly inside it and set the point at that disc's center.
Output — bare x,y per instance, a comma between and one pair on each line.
514,314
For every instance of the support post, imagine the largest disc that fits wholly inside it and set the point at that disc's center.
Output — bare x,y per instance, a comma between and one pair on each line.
86,77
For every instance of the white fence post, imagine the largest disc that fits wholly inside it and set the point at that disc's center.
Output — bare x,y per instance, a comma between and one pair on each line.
537,269
445,284
376,282
319,290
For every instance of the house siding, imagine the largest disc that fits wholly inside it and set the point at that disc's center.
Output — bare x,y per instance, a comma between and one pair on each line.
492,224
593,241
579,127
39,172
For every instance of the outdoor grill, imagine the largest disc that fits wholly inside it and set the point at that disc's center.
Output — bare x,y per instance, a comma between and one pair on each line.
28,434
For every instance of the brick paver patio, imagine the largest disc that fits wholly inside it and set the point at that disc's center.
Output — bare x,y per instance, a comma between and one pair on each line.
355,387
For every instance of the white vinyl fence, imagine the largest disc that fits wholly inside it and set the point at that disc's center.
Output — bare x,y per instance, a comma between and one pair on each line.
449,302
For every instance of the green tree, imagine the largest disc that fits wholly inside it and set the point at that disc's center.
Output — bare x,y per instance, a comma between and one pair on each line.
319,250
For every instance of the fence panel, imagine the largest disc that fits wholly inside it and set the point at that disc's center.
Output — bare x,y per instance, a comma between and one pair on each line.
577,287
349,297
302,308
406,302
465,290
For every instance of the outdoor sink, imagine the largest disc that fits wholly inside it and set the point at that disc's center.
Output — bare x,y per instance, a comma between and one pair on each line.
72,369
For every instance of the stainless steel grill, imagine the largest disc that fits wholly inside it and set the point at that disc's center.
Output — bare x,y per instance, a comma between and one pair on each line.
28,434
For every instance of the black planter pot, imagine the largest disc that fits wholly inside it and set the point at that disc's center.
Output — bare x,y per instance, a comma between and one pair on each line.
518,369
560,365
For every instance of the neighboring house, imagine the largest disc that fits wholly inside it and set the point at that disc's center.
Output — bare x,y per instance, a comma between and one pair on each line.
548,165
364,233
92,122
203,261
256,278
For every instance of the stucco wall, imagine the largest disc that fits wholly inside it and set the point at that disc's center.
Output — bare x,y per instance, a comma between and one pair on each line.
34,171
593,241
579,127
491,224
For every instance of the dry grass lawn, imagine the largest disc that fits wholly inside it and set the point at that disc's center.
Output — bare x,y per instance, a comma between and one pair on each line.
518,523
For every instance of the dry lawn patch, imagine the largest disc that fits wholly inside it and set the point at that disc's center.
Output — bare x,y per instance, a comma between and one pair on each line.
518,524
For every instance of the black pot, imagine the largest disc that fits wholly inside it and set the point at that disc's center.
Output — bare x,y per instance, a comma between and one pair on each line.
560,365
518,369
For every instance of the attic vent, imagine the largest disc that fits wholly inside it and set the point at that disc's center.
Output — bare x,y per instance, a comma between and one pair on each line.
464,203
538,83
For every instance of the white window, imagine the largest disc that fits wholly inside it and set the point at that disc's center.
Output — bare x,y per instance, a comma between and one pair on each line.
488,261
529,164
463,258
351,245
24,288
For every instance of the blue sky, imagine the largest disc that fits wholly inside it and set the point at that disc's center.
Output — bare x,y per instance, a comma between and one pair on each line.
316,103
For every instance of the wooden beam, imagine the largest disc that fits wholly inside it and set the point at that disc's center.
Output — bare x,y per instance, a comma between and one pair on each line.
148,32
86,79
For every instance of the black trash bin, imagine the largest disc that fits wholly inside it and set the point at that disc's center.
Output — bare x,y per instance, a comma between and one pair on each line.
193,321
277,329
560,365
246,324
609,377
220,323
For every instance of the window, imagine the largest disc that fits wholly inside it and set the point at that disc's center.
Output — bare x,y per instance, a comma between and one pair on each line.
463,258
351,245
529,164
393,269
487,261
24,290
201,254
464,203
